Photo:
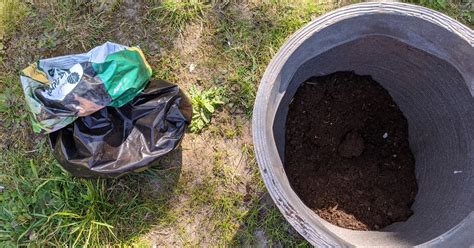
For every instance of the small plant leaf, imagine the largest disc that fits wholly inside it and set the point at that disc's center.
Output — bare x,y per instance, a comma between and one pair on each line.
209,107
204,117
33,168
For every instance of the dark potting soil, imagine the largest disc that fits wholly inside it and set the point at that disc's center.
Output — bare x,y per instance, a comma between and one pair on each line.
347,154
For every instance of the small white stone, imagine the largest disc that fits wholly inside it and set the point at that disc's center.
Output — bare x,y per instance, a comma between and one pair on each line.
385,135
456,172
192,67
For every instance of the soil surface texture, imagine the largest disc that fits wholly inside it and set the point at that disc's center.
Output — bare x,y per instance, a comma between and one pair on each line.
347,154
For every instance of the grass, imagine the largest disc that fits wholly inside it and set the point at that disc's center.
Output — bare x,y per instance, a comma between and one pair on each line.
179,12
462,10
44,205
11,14
12,112
249,47
214,196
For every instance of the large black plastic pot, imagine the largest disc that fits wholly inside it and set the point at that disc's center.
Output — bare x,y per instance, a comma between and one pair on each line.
426,62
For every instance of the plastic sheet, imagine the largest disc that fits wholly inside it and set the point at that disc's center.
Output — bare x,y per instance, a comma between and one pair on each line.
61,89
117,140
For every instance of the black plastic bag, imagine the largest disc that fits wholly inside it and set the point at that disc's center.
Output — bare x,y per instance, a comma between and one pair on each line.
114,141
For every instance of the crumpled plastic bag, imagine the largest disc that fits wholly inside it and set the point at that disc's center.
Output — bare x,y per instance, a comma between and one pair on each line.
117,140
61,89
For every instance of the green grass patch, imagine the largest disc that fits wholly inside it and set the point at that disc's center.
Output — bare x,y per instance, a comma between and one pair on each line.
462,10
12,13
178,13
12,106
44,205
251,41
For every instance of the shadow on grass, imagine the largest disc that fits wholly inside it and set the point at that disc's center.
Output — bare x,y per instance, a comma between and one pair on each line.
148,193
42,205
